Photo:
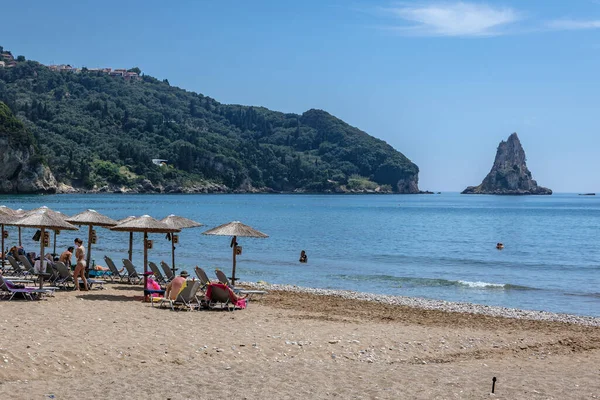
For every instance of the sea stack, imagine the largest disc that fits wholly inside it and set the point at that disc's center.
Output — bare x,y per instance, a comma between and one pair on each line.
509,175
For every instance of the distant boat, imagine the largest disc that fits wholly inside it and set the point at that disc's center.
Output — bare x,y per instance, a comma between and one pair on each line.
587,194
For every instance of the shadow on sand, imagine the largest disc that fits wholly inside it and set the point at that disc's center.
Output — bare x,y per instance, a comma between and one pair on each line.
109,297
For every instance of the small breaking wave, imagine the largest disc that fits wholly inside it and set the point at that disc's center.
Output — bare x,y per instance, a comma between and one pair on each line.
430,282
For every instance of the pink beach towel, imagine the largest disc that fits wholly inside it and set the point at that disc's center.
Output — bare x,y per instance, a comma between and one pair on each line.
153,285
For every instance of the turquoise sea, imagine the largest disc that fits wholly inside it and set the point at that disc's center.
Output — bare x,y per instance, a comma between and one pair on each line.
432,246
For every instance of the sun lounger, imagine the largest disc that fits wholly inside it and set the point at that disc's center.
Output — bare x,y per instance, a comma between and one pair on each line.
249,293
218,293
187,297
65,276
18,270
168,271
132,275
27,292
26,264
115,273
157,274
202,277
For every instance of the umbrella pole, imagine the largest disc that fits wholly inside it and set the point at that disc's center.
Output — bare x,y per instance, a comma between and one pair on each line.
54,254
3,255
145,261
20,244
173,254
89,252
130,245
234,254
42,257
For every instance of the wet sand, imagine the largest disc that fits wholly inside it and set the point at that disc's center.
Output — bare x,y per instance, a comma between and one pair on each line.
285,345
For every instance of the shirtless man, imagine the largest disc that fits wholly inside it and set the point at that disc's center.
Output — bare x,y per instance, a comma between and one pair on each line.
175,286
80,267
65,257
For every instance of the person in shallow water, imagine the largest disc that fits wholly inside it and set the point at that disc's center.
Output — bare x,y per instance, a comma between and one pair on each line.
499,246
303,257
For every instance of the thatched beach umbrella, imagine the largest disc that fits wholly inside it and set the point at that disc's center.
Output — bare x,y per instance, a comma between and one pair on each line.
22,213
44,218
179,223
16,213
7,216
145,224
91,218
235,229
121,221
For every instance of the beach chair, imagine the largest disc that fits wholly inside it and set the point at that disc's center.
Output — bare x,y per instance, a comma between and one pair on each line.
223,295
65,276
132,275
26,264
18,270
223,278
157,274
168,271
115,273
27,292
249,293
202,277
187,297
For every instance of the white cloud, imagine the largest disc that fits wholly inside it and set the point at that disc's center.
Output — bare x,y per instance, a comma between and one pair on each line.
572,24
453,19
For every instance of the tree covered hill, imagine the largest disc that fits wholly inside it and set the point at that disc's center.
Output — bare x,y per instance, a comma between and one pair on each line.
95,130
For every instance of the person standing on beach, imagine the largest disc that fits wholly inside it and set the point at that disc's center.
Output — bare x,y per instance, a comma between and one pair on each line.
80,267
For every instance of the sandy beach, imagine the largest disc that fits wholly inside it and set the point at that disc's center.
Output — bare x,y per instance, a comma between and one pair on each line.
286,345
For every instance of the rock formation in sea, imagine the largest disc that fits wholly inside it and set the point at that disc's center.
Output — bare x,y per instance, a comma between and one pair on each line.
510,174
22,169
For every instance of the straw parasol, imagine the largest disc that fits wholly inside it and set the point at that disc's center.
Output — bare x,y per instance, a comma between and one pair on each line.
145,224
177,222
121,221
43,218
7,216
22,213
235,229
91,218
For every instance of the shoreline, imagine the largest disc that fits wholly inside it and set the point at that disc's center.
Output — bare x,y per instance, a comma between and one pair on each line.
436,305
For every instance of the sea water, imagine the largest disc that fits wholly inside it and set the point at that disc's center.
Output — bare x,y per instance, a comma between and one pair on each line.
433,246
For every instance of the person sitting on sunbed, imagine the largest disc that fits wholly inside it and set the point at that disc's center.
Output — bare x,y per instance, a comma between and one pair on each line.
176,285
37,266
65,257
13,252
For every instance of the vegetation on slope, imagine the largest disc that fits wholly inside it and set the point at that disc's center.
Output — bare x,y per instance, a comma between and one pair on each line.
95,129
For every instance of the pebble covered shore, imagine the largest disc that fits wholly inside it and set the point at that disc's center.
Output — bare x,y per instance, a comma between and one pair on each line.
439,305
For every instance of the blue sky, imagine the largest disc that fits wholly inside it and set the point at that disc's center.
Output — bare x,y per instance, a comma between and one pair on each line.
443,82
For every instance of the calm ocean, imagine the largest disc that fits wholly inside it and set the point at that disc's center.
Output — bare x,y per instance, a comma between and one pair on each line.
432,246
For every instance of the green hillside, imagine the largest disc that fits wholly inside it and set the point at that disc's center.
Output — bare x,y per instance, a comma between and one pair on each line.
94,129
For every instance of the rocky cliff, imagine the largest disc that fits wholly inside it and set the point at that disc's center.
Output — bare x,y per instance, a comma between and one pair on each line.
510,174
21,168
